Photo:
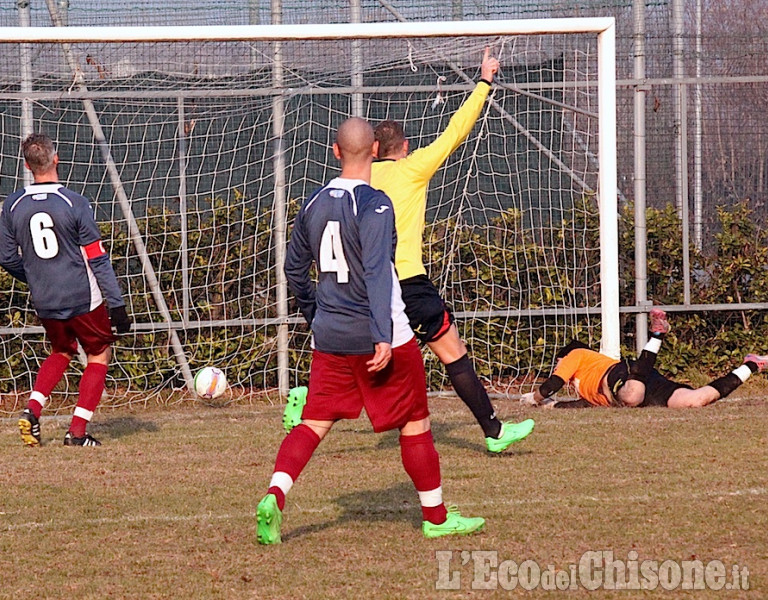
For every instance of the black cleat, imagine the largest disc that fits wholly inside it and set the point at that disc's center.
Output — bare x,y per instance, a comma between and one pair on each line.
29,428
86,440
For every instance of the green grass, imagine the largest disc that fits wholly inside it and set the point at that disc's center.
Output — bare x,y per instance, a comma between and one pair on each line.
164,509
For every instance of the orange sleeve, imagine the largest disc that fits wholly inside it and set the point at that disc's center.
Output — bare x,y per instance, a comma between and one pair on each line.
568,367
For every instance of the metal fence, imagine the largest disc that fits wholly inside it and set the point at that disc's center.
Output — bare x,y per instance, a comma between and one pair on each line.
692,94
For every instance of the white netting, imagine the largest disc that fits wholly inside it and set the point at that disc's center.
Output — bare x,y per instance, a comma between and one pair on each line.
512,218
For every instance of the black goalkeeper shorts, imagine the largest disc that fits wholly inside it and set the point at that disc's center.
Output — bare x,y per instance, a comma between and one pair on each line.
658,389
428,315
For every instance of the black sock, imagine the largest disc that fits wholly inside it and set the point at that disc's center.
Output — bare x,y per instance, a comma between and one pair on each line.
643,366
726,384
473,394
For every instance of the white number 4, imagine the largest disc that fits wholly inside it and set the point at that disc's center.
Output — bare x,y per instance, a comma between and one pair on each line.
332,258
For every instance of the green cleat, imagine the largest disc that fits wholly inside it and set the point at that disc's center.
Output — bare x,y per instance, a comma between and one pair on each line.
268,520
294,406
454,524
510,433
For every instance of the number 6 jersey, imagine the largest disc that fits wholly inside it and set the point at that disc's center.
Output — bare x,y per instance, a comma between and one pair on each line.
348,230
49,238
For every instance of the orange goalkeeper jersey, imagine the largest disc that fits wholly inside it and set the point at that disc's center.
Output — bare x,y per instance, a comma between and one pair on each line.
586,369
406,180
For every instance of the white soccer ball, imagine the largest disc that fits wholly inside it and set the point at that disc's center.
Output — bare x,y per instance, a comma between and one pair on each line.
210,383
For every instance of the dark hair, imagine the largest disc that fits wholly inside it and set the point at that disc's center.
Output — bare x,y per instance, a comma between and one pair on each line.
574,345
38,151
390,136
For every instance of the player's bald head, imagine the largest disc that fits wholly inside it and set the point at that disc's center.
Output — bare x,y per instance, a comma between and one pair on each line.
355,139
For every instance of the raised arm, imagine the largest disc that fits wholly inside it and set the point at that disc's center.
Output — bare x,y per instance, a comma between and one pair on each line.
427,160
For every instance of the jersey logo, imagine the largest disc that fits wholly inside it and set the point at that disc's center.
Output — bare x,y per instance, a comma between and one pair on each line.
336,193
39,196
383,208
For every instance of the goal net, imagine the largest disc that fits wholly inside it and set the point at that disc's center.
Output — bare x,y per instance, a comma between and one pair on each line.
197,145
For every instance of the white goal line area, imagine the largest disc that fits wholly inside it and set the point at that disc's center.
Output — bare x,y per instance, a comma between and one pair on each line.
196,145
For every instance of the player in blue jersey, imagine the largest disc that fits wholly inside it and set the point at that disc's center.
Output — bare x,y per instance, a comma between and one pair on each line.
50,240
364,352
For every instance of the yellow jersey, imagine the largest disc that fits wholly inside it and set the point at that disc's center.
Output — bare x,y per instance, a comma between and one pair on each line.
406,181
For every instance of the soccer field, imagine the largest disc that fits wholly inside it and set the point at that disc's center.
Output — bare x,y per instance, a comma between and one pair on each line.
165,508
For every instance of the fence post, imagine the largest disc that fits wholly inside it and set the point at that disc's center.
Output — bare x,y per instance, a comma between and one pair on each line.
183,212
641,225
280,212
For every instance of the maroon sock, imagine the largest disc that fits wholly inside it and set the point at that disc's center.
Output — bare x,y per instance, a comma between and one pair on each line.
422,463
91,388
294,454
279,496
50,373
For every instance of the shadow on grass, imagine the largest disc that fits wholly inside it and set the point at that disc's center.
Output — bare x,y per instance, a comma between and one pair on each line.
443,434
118,427
371,506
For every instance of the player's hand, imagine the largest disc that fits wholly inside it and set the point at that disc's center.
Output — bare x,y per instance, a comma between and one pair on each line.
119,319
489,66
528,399
380,357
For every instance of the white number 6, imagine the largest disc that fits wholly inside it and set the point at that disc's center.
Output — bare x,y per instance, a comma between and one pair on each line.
43,237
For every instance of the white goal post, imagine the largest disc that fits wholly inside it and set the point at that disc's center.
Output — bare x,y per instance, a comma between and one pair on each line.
110,75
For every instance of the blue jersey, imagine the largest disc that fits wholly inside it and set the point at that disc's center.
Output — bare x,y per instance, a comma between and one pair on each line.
49,238
348,230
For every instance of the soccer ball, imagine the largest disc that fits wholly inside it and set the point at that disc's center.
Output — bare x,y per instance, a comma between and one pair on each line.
210,383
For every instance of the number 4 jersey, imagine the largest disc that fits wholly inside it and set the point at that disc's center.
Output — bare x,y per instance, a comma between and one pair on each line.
348,229
49,238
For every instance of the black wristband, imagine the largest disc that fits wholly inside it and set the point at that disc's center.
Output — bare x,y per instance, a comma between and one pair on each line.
551,385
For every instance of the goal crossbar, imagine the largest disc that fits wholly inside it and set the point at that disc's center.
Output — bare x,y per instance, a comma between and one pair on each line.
332,31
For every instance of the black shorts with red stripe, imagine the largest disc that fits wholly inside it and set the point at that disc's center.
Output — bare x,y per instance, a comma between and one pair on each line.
429,317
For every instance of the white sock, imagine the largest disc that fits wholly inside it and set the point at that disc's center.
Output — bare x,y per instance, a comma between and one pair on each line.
281,480
743,372
38,397
431,498
83,413
653,345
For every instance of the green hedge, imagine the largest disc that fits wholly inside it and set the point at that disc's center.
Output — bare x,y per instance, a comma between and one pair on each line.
732,268
511,265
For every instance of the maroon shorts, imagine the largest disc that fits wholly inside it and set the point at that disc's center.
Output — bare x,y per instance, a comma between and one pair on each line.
93,330
340,386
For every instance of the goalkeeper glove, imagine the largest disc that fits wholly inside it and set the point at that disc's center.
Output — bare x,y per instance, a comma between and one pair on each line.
119,319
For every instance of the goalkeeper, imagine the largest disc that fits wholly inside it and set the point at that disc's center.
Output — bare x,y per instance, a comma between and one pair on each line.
603,381
404,178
